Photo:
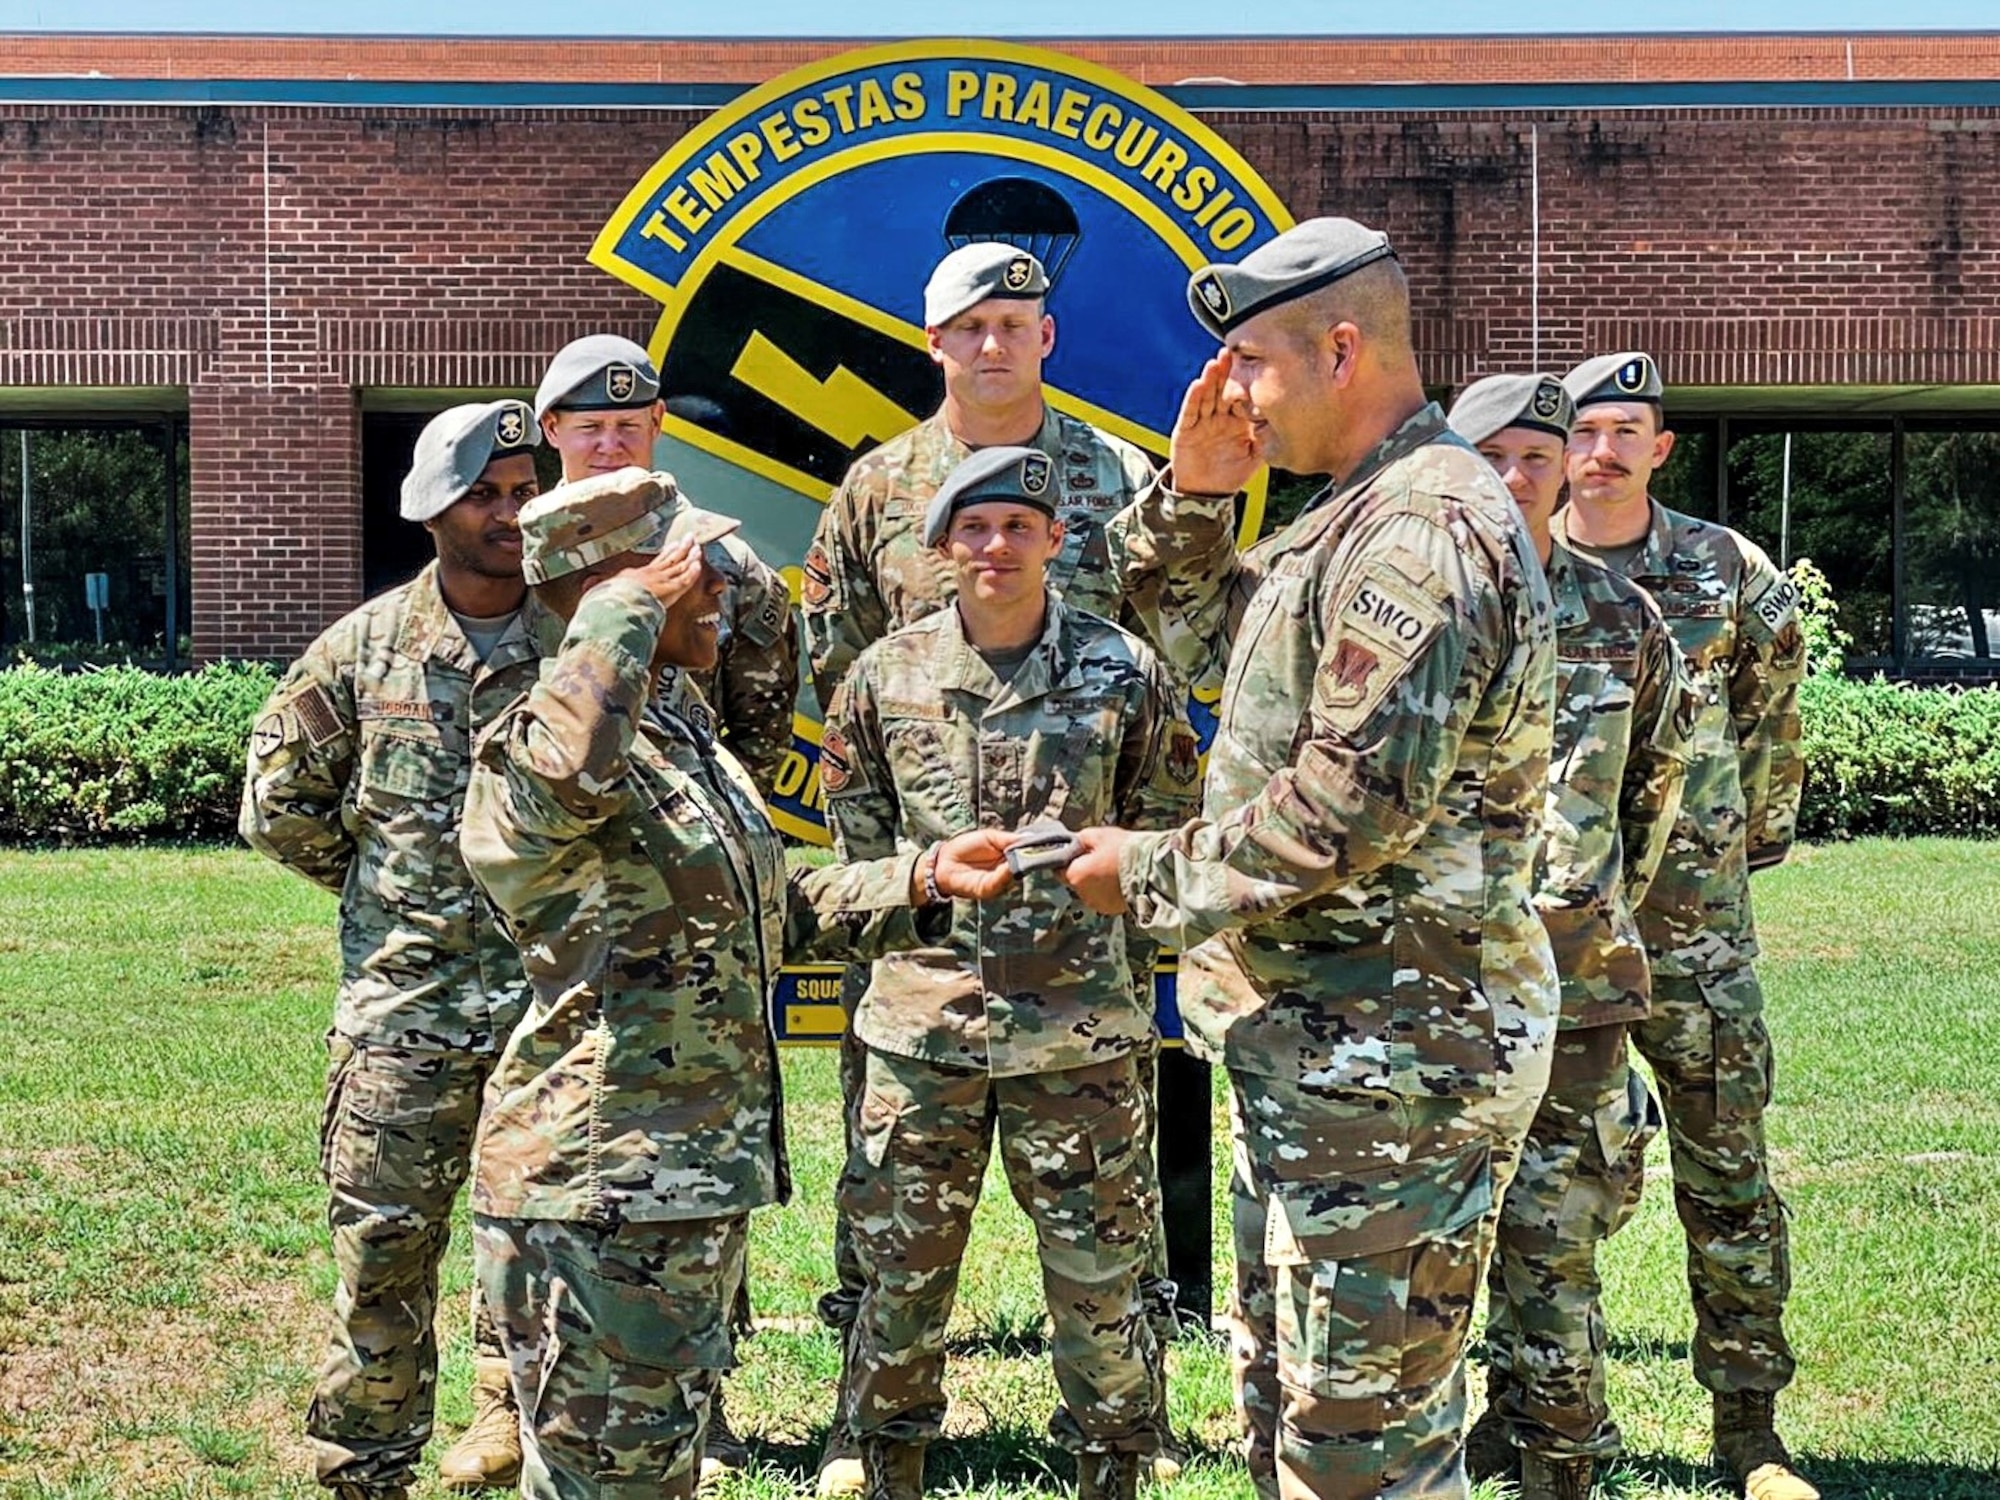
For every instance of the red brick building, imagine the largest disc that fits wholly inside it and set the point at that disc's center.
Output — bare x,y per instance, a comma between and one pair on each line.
280,252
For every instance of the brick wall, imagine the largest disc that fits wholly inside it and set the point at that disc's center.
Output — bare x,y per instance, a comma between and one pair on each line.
274,261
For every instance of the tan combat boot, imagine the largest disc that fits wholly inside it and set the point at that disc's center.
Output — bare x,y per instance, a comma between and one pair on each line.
1489,1450
1748,1446
895,1470
723,1452
489,1452
1546,1478
1108,1476
840,1471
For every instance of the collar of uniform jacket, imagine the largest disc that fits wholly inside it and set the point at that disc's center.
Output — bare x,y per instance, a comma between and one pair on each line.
1422,426
1563,587
429,633
1652,560
1049,666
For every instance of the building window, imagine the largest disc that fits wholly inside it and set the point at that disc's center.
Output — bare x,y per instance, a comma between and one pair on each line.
1951,546
1825,493
1688,481
1902,514
94,542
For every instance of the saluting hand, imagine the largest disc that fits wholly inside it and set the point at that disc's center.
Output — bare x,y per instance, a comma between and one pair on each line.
1214,445
1093,874
672,572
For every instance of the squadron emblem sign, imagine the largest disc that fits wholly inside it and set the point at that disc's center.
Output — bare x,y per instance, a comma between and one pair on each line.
789,236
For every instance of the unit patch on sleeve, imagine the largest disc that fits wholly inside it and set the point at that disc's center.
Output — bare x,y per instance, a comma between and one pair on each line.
316,716
836,763
1383,627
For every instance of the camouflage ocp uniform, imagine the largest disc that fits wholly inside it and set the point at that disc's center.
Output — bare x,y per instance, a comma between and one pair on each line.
1623,713
1734,616
869,574
1028,1020
357,774
1359,941
633,1120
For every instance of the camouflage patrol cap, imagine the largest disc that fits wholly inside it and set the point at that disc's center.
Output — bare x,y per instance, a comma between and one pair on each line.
454,449
1631,376
1498,402
1023,476
630,510
1296,264
969,275
599,373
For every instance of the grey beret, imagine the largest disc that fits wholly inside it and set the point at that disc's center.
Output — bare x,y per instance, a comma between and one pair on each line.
1025,476
599,373
1502,401
1631,376
968,276
629,510
1298,262
454,449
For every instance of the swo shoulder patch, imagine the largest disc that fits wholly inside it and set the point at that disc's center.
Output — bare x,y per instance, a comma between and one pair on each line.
1383,626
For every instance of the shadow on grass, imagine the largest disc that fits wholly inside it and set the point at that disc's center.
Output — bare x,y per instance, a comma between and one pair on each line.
1641,1474
1000,1457
1005,1343
1639,1349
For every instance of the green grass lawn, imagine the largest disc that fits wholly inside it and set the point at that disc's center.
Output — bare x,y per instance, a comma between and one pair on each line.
163,1272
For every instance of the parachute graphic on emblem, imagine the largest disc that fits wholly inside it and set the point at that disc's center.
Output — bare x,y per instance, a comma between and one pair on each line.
1017,211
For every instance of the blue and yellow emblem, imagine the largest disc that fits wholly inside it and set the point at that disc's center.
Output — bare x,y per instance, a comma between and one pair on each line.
788,238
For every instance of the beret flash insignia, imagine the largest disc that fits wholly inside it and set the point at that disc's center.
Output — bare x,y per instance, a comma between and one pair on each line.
1210,289
1015,277
620,381
1548,400
1631,375
1035,472
512,426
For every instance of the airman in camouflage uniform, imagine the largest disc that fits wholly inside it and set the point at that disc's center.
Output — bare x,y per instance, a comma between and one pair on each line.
600,409
1030,1018
357,773
1623,710
633,1119
868,574
1354,906
1734,615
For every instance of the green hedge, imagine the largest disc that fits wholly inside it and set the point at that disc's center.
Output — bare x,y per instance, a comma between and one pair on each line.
123,754
1883,758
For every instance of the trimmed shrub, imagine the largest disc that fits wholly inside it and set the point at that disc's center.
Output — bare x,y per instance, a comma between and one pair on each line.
124,754
1883,758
